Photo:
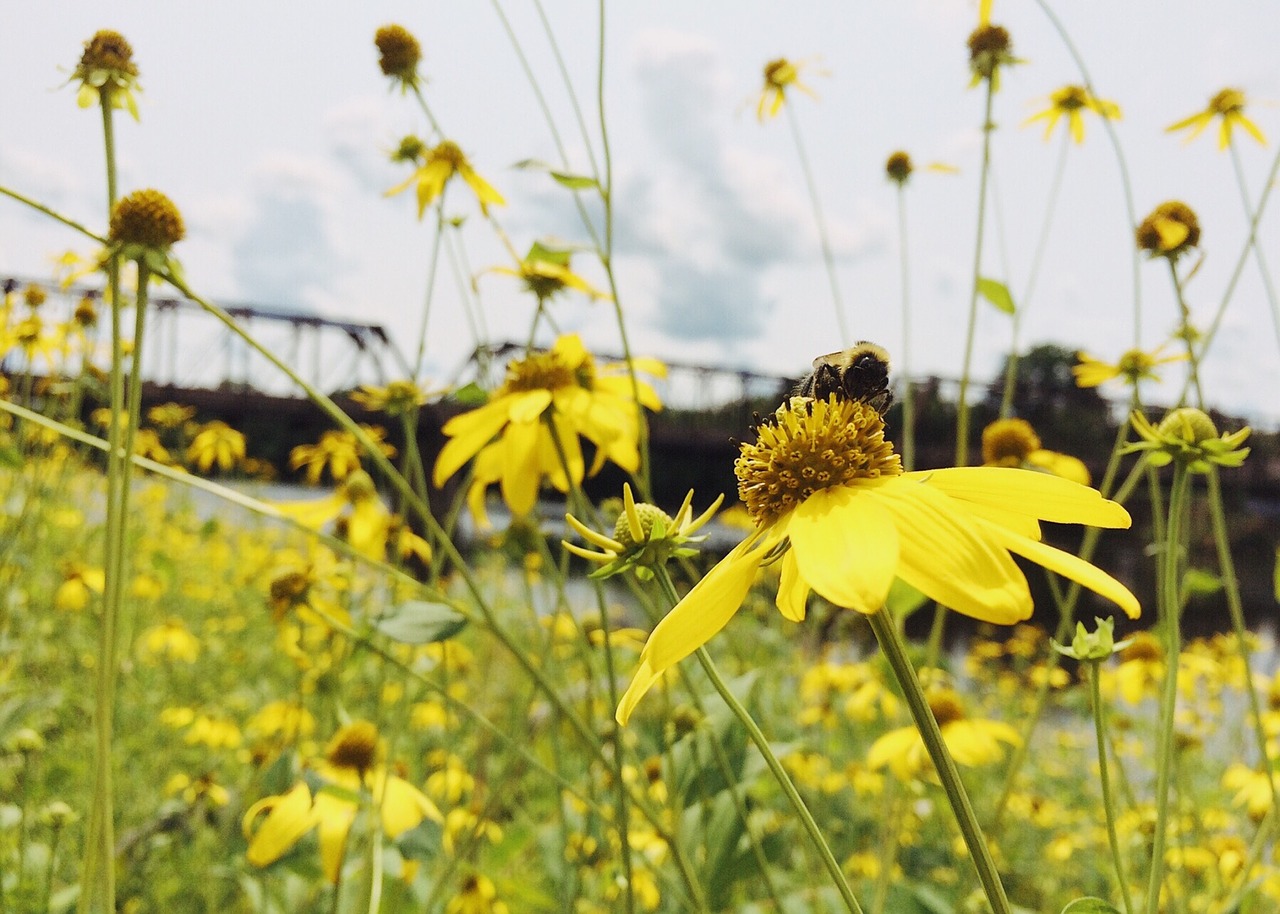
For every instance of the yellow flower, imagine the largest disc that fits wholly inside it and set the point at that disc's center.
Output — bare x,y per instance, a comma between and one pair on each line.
349,771
561,392
478,895
441,164
367,526
545,272
1070,102
834,508
170,415
1134,365
1014,443
338,451
216,444
77,587
398,398
170,640
970,742
1228,105
779,76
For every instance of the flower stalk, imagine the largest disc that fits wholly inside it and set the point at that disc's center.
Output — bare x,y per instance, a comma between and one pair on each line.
895,653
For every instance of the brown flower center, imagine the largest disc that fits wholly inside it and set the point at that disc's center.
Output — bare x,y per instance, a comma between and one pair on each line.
811,445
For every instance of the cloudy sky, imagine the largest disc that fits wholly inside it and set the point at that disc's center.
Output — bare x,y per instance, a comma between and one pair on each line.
269,124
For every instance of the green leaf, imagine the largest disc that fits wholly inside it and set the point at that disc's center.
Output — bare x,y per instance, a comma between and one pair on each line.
903,599
422,842
997,293
1197,582
574,182
1089,906
421,622
548,254
471,395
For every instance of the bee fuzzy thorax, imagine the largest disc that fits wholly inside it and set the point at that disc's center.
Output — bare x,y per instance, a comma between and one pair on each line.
860,373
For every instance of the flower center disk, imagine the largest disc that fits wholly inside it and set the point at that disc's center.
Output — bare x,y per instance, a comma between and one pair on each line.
811,445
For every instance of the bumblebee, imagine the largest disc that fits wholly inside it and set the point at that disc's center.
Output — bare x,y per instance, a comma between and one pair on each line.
860,372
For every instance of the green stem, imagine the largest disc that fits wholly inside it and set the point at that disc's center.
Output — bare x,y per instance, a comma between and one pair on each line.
775,767
53,214
1238,270
1169,606
605,252
431,285
828,258
962,404
98,877
1267,285
895,653
1125,183
1235,608
1011,364
1108,798
1185,331
904,357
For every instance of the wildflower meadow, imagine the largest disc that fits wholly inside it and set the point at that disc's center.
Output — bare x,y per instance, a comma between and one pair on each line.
473,645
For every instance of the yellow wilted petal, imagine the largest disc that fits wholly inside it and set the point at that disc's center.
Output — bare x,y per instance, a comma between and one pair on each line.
1069,566
705,610
846,547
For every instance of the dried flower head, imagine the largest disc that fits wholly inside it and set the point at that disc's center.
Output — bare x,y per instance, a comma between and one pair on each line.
1171,230
107,73
990,47
898,167
398,54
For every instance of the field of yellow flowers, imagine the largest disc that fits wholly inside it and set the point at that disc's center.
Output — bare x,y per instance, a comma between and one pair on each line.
215,700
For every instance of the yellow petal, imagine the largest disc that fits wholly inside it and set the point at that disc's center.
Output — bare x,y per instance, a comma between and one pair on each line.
468,433
705,610
528,405
944,556
846,546
335,816
483,190
314,513
520,468
1069,566
1252,128
1028,493
1198,121
404,806
289,817
1172,232
792,589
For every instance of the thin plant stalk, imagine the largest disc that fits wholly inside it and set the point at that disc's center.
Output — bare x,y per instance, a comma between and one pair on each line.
605,253
904,358
771,760
1020,311
1170,608
933,647
1238,270
1104,775
432,264
828,258
1125,184
98,875
1185,331
1267,284
895,653
962,404
1231,585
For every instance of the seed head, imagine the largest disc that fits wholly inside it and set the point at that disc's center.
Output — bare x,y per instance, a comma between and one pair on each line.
106,50
898,167
989,47
398,53
146,218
